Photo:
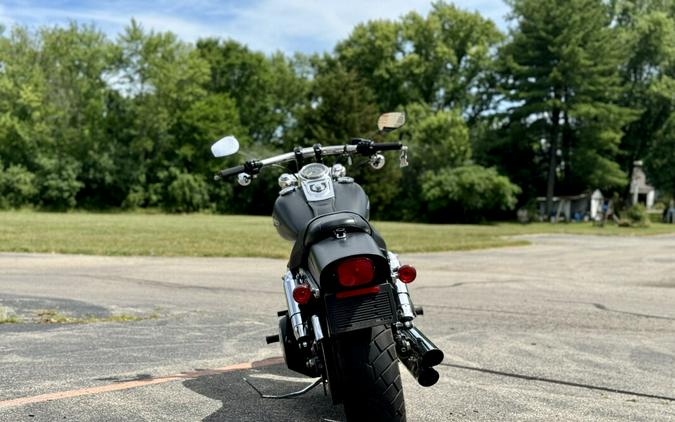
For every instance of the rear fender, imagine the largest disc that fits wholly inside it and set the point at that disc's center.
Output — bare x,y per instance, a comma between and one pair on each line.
324,256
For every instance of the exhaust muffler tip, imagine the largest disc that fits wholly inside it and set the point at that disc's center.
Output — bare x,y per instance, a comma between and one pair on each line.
427,377
432,357
421,356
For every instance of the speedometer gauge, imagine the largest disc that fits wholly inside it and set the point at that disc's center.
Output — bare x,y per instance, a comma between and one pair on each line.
313,171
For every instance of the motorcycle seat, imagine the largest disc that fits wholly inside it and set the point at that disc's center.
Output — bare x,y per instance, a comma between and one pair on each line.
325,226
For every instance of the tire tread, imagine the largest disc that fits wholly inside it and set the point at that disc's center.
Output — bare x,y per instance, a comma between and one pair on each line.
374,391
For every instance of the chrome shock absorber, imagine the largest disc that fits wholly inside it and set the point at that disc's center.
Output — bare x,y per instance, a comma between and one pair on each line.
299,327
407,313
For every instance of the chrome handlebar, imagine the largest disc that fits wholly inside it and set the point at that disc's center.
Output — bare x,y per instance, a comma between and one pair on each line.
309,152
365,147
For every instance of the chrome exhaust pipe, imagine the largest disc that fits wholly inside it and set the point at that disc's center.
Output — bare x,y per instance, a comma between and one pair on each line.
419,355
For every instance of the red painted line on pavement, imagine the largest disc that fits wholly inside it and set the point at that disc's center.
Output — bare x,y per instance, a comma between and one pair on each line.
118,386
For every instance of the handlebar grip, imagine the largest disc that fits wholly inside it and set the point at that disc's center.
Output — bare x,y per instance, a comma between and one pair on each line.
231,171
388,146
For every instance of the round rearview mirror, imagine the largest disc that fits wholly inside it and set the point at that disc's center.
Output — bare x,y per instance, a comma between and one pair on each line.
226,146
390,121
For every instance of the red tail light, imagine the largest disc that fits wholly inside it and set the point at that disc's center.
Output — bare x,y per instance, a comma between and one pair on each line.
407,273
355,272
302,294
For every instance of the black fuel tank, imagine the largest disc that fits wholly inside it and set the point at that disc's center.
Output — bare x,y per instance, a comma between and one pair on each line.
292,212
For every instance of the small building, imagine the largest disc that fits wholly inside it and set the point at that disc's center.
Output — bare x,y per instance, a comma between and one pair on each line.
571,207
640,191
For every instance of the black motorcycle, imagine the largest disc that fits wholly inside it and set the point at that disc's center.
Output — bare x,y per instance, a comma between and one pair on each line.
349,318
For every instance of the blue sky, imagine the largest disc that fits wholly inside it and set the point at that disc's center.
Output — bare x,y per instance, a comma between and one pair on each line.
265,25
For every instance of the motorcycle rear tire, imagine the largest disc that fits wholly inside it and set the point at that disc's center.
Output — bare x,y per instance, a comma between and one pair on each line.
371,381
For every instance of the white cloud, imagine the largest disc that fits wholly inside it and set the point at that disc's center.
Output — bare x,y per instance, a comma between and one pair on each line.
185,29
271,24
267,25
5,20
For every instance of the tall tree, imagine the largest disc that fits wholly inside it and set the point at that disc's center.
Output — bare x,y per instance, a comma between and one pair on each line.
164,79
444,59
561,77
78,62
440,69
23,88
660,162
267,90
55,84
647,31
23,129
340,107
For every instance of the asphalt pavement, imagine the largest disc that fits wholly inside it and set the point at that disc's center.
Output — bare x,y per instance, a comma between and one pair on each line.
577,328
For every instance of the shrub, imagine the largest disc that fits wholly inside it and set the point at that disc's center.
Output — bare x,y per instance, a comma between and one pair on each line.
58,182
135,198
467,193
17,187
637,215
187,193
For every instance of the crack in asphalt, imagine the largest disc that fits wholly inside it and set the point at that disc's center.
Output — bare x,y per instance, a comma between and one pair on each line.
559,382
492,311
462,283
602,307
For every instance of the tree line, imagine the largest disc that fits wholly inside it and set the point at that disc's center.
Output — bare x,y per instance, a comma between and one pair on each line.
563,103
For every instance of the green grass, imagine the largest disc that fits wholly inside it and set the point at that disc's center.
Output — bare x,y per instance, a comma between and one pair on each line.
218,235
52,316
10,320
6,318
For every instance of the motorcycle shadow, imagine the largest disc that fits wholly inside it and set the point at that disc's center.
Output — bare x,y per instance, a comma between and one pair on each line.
240,402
